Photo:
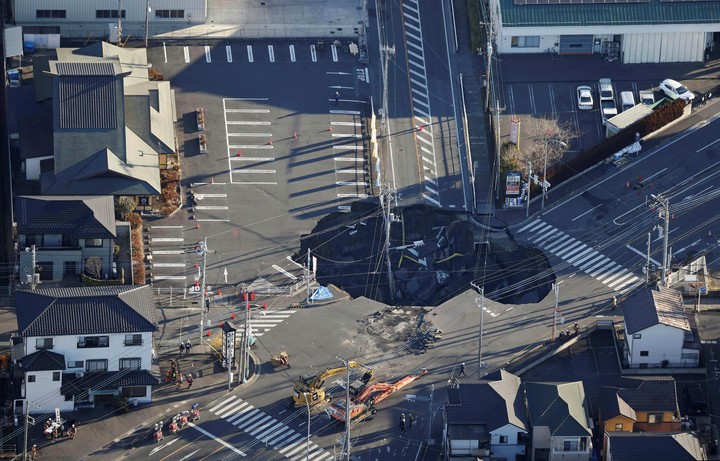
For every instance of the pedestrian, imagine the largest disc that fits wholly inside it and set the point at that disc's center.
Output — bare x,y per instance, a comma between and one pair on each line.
411,420
403,427
189,380
34,452
207,305
182,348
462,369
337,97
72,432
614,302
173,365
180,382
187,346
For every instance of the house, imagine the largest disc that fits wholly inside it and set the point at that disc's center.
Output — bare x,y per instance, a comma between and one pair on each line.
561,425
656,446
657,330
63,232
84,346
650,31
486,419
639,405
112,126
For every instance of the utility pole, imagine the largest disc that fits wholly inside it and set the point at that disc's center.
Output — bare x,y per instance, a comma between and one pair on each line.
28,419
664,213
246,337
529,183
119,24
385,204
147,21
307,279
556,289
480,302
647,264
497,149
307,440
346,442
204,250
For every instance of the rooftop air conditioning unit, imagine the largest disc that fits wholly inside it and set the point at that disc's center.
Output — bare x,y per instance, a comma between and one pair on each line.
79,374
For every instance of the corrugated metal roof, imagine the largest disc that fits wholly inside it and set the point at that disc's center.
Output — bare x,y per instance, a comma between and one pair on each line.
87,102
650,13
84,69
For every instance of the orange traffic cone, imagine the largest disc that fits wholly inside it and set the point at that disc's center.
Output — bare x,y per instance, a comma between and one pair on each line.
232,316
330,129
420,127
238,153
208,334
269,142
219,292
212,180
197,226
221,323
296,135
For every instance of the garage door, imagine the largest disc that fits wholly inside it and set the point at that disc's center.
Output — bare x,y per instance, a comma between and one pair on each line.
576,44
46,273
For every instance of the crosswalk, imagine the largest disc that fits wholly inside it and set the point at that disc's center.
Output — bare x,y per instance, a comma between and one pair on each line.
258,54
290,443
262,322
421,101
167,256
580,255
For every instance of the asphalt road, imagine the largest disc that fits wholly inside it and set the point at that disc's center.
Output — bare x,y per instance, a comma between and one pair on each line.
283,150
602,233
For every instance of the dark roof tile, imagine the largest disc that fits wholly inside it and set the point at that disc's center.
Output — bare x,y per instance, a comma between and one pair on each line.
43,360
656,446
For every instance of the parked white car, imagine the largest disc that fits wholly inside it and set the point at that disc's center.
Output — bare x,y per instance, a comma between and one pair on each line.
647,97
675,90
584,98
608,108
605,89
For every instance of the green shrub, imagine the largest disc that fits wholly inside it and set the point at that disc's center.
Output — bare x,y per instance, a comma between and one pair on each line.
91,282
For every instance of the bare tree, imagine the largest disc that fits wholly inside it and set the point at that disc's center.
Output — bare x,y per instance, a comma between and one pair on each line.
545,135
93,266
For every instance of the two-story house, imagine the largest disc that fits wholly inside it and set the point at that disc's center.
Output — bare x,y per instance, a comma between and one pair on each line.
657,330
486,419
85,346
64,231
657,446
561,426
639,405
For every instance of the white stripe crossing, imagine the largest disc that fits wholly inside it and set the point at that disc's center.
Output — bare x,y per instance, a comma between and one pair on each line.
266,429
580,255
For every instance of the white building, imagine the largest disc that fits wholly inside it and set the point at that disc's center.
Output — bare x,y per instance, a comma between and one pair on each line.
85,346
486,419
657,330
642,31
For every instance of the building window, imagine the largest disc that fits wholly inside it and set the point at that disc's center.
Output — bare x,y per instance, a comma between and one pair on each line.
33,239
133,340
93,243
134,391
503,439
130,364
96,365
570,445
43,343
31,378
689,356
618,426
525,42
655,418
76,364
56,376
50,14
108,14
644,353
170,14
637,336
93,341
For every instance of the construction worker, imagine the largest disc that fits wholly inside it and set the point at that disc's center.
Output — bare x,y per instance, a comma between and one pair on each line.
614,302
403,426
462,369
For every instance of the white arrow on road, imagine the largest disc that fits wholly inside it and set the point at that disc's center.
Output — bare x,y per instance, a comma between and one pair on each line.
225,274
189,456
156,449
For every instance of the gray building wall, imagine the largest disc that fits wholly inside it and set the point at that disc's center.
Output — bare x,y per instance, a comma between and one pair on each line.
59,255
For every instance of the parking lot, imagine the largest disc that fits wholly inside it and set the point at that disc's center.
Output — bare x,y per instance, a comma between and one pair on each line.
286,143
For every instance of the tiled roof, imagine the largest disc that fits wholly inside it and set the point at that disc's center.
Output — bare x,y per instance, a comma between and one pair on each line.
657,393
656,446
43,360
87,102
72,385
80,216
36,134
612,405
652,12
653,306
559,406
493,403
85,310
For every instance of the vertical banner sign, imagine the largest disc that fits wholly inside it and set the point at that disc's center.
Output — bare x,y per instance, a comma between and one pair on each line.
515,132
228,343
314,266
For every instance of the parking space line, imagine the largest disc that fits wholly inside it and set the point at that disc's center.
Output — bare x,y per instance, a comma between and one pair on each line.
166,227
348,159
346,123
248,111
168,264
228,53
186,52
247,122
166,252
167,239
352,195
250,53
208,58
249,134
292,53
255,171
334,53
169,277
254,183
553,106
271,53
511,100
252,159
531,94
313,53
250,146
345,112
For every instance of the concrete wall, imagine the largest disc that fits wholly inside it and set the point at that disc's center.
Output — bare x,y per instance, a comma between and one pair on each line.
663,47
59,255
511,448
85,10
44,393
662,342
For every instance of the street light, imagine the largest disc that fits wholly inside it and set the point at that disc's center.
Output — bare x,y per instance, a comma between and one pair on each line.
544,186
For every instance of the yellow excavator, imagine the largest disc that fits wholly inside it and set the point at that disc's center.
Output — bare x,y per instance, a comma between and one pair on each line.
310,390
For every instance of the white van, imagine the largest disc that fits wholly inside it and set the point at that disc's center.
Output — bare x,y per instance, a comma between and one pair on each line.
627,100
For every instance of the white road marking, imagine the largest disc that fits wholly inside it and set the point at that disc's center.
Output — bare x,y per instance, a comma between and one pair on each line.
166,227
255,171
267,135
348,159
346,123
165,52
248,111
337,73
249,146
588,211
292,53
211,207
218,440
350,171
284,272
271,53
169,277
154,264
313,53
334,53
250,53
167,239
166,252
252,159
352,195
186,52
228,53
208,58
367,76
247,123
345,112
252,183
